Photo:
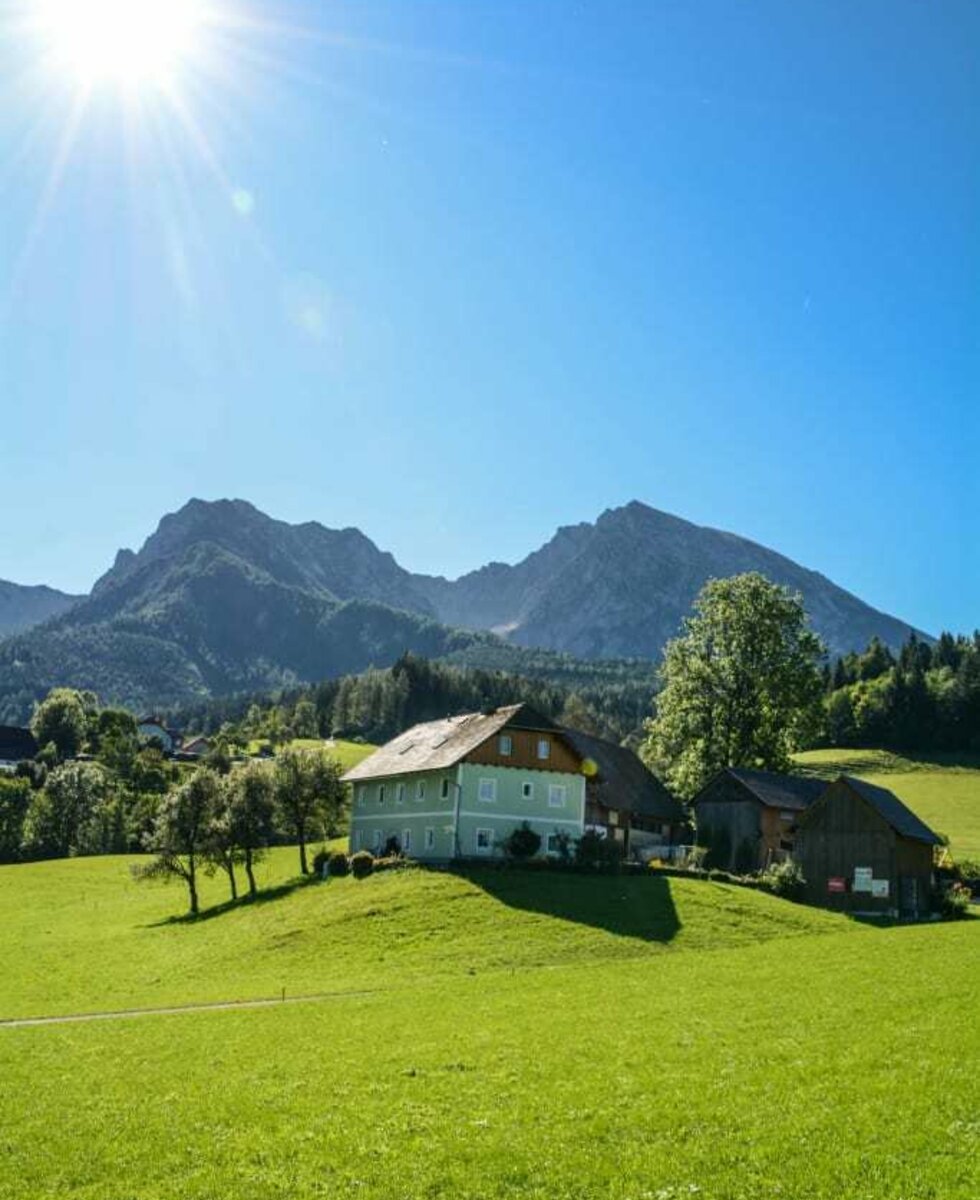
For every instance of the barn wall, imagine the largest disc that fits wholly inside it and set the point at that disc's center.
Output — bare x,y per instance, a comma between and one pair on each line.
725,804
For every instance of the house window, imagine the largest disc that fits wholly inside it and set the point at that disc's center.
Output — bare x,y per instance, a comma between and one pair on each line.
553,843
358,840
430,838
527,790
544,748
487,791
381,793
484,841
400,793
420,790
787,816
377,839
506,744
556,796
359,797
445,788
406,841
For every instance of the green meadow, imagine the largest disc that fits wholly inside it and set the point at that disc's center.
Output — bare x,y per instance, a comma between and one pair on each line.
943,791
499,1034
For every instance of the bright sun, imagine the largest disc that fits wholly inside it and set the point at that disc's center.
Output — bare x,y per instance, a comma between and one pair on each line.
128,42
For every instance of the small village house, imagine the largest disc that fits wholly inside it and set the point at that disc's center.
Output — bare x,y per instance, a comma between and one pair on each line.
153,728
749,817
16,746
863,851
195,747
456,788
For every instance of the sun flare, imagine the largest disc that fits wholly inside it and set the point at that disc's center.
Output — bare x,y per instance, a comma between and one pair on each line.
128,42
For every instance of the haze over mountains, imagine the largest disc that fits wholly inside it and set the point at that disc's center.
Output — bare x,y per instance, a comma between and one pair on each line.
22,607
223,598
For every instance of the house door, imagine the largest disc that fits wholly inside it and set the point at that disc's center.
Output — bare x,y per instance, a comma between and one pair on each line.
908,895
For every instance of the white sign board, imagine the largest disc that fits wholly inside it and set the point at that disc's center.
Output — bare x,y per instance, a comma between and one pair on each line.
879,889
862,879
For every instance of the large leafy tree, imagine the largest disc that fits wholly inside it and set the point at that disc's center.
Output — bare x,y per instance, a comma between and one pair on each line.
740,688
252,812
180,832
61,718
67,816
308,795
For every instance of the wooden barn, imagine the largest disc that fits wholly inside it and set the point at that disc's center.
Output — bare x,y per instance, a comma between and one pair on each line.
862,850
748,817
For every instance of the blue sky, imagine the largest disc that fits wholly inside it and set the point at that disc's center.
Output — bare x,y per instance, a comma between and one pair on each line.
459,273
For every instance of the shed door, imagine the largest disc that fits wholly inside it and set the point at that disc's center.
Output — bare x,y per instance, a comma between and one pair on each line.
908,894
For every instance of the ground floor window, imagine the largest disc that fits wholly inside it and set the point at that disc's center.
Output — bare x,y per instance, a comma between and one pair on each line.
406,841
358,840
553,843
430,838
484,841
377,839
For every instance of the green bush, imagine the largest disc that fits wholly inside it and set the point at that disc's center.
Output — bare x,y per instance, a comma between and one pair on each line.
522,843
338,864
596,853
968,873
784,879
954,901
361,864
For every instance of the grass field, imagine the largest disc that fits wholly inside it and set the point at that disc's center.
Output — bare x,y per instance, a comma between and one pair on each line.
349,754
530,1035
944,792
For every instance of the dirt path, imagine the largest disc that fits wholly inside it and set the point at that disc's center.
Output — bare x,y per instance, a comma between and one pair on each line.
210,1006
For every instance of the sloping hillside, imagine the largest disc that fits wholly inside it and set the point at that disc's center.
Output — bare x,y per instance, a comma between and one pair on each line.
22,607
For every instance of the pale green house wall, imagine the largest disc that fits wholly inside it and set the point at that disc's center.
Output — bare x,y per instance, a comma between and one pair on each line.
445,821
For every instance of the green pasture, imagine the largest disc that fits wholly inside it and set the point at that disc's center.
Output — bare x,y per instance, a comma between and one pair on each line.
943,791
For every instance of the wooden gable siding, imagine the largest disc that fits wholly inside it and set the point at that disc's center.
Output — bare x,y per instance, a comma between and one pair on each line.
727,804
524,754
841,832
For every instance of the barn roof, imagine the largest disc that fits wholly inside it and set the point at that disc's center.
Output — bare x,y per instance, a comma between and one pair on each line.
888,806
437,745
16,743
794,792
623,781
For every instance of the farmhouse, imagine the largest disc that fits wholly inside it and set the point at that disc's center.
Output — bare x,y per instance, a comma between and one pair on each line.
16,745
456,788
153,728
195,747
749,817
863,851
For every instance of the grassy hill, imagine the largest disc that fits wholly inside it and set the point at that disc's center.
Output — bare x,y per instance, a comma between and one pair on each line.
79,935
943,790
348,754
685,1040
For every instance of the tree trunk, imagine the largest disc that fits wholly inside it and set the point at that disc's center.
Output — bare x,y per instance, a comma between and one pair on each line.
192,885
304,866
232,881
253,891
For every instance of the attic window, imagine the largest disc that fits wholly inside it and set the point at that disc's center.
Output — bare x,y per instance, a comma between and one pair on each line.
440,742
408,746
506,744
544,748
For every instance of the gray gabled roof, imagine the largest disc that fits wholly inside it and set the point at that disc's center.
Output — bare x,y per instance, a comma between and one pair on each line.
794,792
888,806
623,781
438,745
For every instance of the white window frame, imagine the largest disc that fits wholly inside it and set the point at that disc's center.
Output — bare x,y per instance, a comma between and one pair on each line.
400,793
359,795
505,744
557,795
406,841
547,843
358,839
527,789
488,848
544,749
444,790
491,799
429,840
420,791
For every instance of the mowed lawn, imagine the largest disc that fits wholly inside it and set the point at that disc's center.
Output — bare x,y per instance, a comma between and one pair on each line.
944,792
348,754
810,1067
80,935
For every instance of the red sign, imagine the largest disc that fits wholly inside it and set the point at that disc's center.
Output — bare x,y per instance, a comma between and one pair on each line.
836,884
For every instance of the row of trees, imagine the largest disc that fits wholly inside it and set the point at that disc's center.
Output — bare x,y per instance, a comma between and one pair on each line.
212,822
926,698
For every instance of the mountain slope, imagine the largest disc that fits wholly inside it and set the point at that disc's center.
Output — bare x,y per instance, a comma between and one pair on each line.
22,607
621,587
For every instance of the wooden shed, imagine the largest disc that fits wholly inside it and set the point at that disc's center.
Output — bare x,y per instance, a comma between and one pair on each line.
749,817
862,850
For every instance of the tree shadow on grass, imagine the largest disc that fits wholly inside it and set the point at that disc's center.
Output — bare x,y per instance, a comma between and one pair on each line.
264,896
632,906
